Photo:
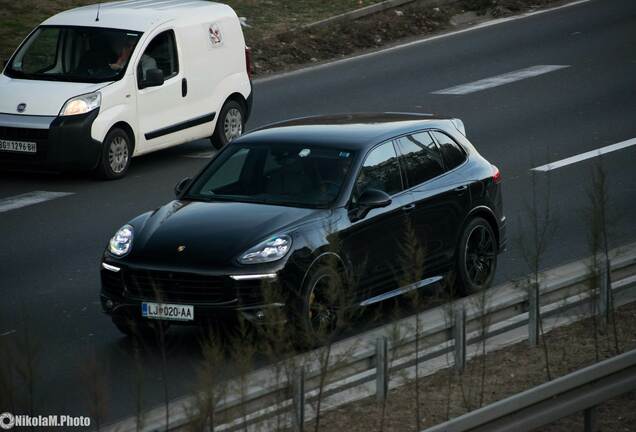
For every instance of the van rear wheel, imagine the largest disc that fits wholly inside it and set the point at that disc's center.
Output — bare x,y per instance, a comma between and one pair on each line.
230,124
116,155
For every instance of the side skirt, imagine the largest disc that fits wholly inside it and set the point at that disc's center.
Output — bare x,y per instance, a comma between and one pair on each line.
400,291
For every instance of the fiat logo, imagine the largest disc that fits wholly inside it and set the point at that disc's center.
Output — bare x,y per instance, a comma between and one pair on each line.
22,107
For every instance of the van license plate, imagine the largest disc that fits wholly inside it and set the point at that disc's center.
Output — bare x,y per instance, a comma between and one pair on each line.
171,312
18,146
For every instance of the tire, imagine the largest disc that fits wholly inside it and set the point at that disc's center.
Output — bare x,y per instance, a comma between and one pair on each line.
476,257
230,124
116,155
316,316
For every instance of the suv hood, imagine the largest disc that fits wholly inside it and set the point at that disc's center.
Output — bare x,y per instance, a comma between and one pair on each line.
213,233
43,98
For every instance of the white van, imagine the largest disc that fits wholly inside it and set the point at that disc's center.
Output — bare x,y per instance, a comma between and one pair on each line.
94,86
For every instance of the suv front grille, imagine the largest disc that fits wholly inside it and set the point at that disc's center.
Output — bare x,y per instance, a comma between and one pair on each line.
192,288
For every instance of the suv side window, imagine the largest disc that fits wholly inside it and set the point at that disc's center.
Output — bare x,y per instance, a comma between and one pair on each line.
381,171
161,53
454,155
421,158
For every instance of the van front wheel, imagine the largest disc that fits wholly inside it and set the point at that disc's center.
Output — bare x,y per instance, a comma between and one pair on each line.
230,124
116,155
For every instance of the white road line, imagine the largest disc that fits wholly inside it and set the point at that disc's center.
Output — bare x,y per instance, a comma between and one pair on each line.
27,199
500,80
424,40
587,155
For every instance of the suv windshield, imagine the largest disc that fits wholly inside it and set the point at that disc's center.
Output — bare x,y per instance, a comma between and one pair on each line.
77,54
278,174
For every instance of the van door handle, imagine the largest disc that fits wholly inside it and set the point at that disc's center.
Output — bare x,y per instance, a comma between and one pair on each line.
184,87
408,207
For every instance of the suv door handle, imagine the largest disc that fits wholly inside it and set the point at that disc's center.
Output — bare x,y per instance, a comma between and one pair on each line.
184,87
461,188
408,207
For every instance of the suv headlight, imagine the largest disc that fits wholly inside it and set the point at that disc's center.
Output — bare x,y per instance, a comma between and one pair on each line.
82,104
121,243
267,251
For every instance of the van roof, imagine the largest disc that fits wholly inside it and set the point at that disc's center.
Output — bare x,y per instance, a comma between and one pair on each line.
141,15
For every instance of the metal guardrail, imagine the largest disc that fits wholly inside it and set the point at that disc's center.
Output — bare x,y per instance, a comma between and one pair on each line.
580,391
269,397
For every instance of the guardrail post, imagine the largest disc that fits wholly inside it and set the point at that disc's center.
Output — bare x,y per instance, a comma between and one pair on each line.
605,300
459,336
533,314
382,369
299,400
590,420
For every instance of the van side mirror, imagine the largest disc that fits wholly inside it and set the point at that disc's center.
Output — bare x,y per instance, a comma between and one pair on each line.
181,186
369,199
154,78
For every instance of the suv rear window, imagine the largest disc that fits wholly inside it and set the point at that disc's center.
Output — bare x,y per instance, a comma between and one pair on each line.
452,152
421,158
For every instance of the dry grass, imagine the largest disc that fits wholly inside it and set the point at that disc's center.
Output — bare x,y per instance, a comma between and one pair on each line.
510,371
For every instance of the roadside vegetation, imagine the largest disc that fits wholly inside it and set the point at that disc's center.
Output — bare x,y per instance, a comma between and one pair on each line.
276,29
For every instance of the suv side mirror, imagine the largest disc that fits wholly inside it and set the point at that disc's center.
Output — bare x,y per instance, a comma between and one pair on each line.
154,78
181,185
374,198
370,199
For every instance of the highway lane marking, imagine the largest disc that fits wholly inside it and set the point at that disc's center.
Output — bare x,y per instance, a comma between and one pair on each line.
30,198
417,42
587,155
500,80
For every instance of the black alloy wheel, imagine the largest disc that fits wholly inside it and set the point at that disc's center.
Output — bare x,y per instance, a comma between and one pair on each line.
476,257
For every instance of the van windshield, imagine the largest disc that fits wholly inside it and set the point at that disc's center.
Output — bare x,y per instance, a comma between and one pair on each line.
76,54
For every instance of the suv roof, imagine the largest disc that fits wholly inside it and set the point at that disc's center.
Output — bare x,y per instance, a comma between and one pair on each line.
345,130
140,15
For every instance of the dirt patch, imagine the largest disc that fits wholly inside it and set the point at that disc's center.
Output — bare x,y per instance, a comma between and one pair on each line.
298,47
509,371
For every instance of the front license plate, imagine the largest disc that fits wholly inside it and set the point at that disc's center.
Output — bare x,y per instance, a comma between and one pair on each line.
171,312
18,146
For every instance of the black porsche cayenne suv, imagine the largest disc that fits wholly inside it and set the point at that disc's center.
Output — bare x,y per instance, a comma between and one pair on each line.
280,205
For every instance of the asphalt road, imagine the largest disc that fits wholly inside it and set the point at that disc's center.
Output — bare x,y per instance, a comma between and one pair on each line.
49,259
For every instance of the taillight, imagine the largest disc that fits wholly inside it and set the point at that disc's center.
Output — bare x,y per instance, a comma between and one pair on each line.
496,175
248,62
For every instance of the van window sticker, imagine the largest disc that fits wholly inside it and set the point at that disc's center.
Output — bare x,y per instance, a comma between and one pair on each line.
214,32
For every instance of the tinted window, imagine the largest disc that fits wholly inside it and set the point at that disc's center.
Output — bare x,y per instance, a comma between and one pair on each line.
451,151
381,170
279,174
421,159
161,53
229,172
